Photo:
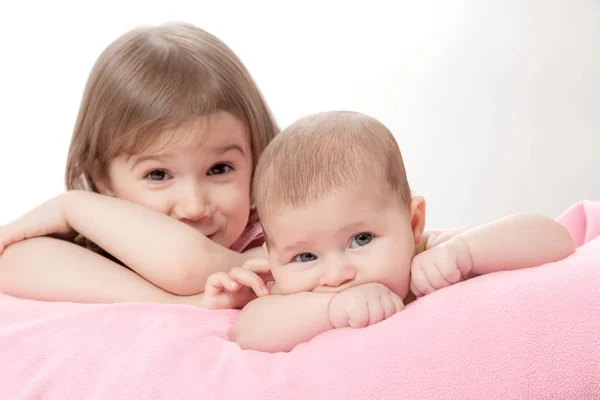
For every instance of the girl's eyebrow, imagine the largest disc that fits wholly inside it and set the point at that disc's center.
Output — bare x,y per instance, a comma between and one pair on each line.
228,147
218,150
150,157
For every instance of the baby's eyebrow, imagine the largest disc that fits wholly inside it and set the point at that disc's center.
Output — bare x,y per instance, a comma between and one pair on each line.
354,227
297,246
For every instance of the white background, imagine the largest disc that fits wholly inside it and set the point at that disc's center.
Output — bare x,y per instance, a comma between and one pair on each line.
495,104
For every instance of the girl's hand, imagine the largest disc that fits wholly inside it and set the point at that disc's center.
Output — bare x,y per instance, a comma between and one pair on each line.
46,219
238,287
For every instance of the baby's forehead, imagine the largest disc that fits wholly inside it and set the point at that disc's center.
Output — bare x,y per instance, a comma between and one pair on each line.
292,225
356,199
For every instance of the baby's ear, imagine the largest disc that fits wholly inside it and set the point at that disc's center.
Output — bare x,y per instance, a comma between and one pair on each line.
417,217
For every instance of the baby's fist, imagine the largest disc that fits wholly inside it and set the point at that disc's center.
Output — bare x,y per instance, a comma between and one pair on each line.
439,266
363,305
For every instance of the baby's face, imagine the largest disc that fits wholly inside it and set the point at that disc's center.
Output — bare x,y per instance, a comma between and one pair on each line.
350,238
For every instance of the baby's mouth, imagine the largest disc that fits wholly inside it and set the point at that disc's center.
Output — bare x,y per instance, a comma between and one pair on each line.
334,289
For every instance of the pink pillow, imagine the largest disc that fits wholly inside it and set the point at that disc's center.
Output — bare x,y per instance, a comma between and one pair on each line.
529,334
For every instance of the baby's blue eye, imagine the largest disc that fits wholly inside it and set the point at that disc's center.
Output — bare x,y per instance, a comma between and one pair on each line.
362,239
305,257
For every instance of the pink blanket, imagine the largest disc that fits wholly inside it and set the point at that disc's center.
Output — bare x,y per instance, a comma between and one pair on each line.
530,334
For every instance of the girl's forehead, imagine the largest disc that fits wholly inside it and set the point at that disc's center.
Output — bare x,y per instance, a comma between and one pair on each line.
218,132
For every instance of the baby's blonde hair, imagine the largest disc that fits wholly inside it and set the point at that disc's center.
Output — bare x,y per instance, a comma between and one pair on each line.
152,80
322,152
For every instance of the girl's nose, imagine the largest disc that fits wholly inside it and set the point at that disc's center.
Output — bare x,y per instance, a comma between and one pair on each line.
192,204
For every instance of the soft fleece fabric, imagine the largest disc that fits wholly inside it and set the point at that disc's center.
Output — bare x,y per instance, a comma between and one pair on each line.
529,334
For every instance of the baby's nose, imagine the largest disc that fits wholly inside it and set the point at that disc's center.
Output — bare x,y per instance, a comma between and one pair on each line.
338,275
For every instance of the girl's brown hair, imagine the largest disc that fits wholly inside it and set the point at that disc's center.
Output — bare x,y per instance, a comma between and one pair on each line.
154,79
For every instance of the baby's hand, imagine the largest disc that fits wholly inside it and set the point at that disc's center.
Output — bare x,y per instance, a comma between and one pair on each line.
238,287
363,305
440,266
46,219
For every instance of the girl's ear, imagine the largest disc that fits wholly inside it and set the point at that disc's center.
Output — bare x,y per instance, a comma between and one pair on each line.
101,181
417,217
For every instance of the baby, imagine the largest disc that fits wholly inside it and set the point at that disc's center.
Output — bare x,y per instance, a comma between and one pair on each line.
345,236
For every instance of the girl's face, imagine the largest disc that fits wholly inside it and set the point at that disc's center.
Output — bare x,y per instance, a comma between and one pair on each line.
199,174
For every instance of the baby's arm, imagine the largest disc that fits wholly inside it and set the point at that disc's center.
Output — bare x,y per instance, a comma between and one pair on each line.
513,242
55,270
168,253
279,323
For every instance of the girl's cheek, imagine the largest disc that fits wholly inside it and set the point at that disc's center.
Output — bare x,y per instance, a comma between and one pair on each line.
157,202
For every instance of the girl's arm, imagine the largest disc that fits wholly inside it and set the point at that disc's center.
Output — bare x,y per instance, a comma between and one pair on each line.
168,253
55,270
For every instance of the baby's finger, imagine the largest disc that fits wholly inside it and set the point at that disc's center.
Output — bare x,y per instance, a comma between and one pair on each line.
389,308
218,282
359,316
250,279
398,303
449,271
420,283
413,289
376,310
435,278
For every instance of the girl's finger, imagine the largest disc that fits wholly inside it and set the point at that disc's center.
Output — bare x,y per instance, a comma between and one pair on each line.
258,265
250,279
218,282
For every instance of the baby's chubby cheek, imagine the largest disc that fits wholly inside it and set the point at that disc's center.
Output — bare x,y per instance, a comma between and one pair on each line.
283,283
280,287
397,278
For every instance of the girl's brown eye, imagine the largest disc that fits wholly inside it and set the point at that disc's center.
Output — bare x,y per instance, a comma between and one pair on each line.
157,175
219,169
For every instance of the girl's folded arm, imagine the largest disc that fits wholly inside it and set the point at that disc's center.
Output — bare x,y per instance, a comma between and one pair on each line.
167,252
55,270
